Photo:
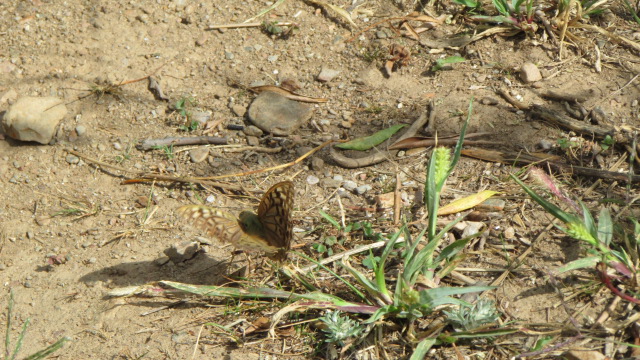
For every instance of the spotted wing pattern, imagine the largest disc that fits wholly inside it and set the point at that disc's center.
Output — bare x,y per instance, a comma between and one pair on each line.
274,213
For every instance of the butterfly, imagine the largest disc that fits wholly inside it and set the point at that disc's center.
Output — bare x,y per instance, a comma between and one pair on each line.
269,231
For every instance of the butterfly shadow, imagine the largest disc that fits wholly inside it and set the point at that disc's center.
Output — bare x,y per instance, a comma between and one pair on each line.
202,269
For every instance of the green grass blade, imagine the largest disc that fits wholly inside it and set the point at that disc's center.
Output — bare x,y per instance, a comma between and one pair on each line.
605,227
42,354
588,221
369,286
584,263
7,340
368,142
457,151
331,220
420,352
20,339
549,207
355,291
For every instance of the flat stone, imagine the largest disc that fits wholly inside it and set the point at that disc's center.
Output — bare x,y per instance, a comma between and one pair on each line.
239,110
198,155
327,74
317,164
252,131
183,251
530,73
275,114
34,118
253,141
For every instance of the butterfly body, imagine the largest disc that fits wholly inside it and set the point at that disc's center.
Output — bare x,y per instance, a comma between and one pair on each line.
268,231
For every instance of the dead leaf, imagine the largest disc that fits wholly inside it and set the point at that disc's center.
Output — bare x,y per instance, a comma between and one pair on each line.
466,203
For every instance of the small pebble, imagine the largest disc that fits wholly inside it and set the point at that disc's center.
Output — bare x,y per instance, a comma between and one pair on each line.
338,177
81,130
239,110
253,141
210,199
92,260
72,159
487,100
198,155
252,130
312,180
530,73
2,267
349,185
327,74
117,146
272,58
228,55
545,144
360,190
317,164
101,147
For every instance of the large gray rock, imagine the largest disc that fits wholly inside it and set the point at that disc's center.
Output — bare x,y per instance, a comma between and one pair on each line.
34,118
275,114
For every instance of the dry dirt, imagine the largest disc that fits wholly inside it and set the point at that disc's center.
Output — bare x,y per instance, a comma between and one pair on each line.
52,48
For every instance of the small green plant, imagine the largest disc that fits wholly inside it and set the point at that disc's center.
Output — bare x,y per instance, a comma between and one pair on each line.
597,235
567,144
10,354
276,29
374,109
372,54
471,317
632,11
126,154
607,142
517,13
183,106
340,328
442,63
272,28
471,5
167,150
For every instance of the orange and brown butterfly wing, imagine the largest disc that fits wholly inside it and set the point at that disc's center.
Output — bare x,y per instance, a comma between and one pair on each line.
216,223
274,212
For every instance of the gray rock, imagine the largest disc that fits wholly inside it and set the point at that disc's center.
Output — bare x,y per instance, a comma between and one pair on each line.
545,144
252,131
327,74
362,189
201,116
278,115
338,177
81,130
72,159
253,141
239,110
198,155
530,73
312,180
228,55
34,118
349,185
317,164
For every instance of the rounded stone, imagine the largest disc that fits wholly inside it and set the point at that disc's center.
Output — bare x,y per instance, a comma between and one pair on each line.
34,118
275,114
